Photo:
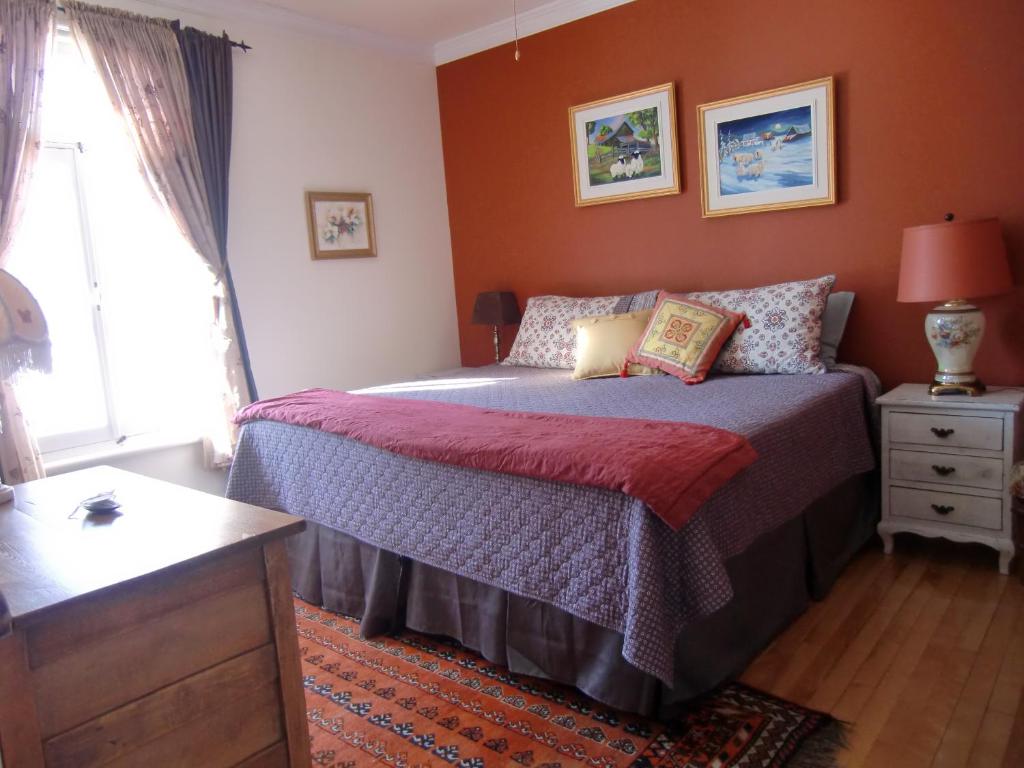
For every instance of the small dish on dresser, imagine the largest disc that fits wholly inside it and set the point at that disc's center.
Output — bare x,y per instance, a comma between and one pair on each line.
101,503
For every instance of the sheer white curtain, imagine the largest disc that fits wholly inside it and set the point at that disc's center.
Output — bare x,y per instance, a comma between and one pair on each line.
25,31
144,74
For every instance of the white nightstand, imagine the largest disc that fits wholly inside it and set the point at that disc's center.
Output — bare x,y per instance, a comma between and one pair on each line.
946,463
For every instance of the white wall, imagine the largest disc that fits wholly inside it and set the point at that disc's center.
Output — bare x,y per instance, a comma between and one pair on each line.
317,113
312,112
181,464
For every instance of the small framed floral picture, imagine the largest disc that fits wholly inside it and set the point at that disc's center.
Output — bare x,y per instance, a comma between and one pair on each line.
340,224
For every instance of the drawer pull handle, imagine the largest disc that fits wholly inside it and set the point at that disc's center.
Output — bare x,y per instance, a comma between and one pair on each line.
943,471
942,432
942,509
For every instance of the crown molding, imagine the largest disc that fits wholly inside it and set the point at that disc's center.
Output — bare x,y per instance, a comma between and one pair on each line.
280,18
531,22
553,14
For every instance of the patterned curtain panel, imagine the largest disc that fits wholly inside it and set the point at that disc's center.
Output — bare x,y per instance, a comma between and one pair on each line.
142,67
140,64
208,67
25,27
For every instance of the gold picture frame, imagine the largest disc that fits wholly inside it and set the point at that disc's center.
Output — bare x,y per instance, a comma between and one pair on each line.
340,225
768,151
624,147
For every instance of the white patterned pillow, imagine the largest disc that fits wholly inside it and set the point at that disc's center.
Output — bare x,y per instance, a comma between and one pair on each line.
785,327
546,338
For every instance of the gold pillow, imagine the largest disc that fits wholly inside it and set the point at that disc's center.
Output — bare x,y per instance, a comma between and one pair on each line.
603,342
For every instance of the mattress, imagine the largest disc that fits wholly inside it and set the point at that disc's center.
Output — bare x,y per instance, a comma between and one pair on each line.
593,553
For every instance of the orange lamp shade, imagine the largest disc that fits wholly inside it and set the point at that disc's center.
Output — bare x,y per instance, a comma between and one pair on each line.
953,260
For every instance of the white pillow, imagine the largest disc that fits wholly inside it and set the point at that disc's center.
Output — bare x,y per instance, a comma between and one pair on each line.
783,334
546,338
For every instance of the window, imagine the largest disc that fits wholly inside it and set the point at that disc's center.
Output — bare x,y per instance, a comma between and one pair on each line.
129,303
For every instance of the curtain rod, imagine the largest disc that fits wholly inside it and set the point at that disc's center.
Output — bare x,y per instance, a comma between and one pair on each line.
177,23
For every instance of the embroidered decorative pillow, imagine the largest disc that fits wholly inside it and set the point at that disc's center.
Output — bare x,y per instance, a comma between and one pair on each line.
546,338
785,327
603,342
684,336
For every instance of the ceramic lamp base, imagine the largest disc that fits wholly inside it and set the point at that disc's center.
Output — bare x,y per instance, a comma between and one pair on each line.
954,331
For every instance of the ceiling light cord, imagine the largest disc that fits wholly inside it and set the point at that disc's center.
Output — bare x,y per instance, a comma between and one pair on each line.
515,25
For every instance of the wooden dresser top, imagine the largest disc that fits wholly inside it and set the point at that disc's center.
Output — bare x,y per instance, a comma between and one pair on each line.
51,554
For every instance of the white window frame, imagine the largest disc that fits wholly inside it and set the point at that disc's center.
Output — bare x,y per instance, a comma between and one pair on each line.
82,440
71,449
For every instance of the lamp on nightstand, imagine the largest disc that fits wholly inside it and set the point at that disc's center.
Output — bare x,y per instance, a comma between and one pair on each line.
496,308
952,262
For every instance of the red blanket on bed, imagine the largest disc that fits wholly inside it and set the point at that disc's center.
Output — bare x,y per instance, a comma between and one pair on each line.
671,467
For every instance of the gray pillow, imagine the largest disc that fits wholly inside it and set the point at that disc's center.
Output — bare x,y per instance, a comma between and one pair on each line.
833,324
645,300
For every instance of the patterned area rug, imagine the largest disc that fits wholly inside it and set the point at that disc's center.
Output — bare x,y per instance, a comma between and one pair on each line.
416,701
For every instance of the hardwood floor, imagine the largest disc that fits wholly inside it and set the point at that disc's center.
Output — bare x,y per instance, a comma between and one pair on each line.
922,651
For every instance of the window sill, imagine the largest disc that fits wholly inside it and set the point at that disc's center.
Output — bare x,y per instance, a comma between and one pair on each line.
89,455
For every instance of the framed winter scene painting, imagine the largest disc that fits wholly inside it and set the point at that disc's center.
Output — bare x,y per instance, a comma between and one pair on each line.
624,148
768,151
340,224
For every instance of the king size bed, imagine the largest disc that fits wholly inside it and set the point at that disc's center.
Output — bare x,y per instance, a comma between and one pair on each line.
576,583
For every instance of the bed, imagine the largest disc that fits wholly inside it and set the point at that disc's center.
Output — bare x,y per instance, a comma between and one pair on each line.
578,584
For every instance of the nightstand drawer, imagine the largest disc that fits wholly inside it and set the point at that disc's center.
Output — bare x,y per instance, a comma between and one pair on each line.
922,467
937,429
951,508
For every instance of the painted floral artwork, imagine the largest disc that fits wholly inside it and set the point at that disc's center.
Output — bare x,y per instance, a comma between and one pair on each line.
340,224
950,332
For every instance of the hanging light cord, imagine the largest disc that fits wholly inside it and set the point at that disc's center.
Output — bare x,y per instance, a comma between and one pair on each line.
515,25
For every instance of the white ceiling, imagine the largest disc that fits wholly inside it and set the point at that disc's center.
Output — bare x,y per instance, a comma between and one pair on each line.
441,30
421,21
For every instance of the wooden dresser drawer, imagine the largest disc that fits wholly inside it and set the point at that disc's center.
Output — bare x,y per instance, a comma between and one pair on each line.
937,429
112,671
952,469
951,508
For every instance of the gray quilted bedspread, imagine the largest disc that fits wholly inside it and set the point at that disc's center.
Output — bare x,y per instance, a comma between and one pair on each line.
597,554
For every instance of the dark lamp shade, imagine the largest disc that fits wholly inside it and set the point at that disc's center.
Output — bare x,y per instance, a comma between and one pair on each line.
953,260
496,308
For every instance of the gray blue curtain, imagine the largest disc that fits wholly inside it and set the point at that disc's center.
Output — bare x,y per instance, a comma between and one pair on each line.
209,74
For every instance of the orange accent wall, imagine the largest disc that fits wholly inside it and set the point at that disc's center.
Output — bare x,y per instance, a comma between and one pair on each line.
929,119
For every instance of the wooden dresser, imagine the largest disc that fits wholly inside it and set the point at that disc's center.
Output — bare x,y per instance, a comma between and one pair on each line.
164,635
946,463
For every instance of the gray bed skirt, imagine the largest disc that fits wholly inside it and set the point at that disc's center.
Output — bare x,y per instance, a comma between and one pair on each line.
773,582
